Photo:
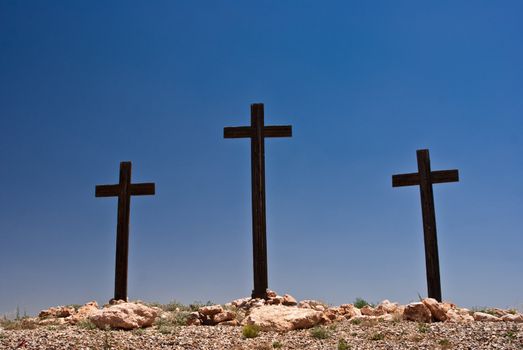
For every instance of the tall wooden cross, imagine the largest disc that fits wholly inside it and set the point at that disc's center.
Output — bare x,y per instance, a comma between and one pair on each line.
123,190
257,132
424,178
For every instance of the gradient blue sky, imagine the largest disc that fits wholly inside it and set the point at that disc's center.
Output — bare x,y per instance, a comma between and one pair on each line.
87,84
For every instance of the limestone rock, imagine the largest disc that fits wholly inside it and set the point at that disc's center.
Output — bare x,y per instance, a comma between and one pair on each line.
368,310
193,319
457,315
282,318
481,316
437,310
83,312
349,310
513,318
386,307
223,316
210,310
124,316
289,300
57,312
417,312
240,302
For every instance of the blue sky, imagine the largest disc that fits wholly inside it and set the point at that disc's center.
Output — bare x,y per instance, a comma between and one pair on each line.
87,84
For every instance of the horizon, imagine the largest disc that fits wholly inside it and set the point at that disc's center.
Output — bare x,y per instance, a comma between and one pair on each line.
87,85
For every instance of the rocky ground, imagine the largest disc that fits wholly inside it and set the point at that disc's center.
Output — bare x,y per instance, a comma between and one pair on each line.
340,335
279,322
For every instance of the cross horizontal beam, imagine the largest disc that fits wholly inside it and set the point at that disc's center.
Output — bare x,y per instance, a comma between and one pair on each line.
142,189
436,177
247,131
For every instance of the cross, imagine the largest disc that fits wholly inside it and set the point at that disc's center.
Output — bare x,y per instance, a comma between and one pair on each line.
425,178
123,190
257,132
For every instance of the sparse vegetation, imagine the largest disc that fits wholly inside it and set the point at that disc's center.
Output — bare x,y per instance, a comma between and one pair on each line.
512,334
319,333
18,324
250,331
423,328
342,345
444,343
356,321
277,345
377,336
359,303
86,324
139,331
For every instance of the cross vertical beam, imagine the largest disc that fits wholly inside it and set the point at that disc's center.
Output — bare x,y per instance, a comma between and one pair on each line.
123,190
257,132
259,228
425,178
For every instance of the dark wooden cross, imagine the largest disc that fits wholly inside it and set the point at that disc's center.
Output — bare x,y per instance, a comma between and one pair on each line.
257,132
424,178
124,190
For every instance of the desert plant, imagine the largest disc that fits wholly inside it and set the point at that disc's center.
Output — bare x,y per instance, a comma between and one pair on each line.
423,328
277,345
19,324
377,336
444,343
359,303
250,331
319,333
356,321
342,345
86,324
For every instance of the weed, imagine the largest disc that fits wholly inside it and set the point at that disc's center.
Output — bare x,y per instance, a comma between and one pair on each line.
86,324
319,333
423,328
250,331
377,336
512,334
444,343
356,321
138,331
277,345
165,329
342,345
18,324
359,303
354,334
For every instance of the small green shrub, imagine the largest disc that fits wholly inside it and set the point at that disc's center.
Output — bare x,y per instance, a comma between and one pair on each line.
319,333
444,343
86,324
356,321
377,336
342,345
423,328
359,303
277,345
250,331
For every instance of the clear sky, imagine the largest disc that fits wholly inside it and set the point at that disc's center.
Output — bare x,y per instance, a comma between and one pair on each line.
87,84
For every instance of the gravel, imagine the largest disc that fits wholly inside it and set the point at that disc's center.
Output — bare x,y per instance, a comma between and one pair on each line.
377,335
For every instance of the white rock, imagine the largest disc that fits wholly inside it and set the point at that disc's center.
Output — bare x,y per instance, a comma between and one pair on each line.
417,312
481,316
124,316
513,318
282,318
